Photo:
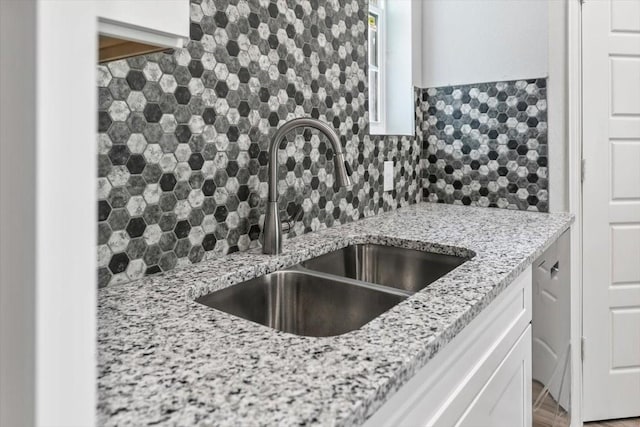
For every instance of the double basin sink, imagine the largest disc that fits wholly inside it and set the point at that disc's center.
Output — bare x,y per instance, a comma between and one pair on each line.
334,293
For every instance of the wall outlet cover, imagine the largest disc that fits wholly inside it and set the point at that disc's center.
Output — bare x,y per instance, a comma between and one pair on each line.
388,175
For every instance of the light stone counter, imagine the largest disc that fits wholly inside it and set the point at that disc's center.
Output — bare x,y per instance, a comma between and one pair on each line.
165,359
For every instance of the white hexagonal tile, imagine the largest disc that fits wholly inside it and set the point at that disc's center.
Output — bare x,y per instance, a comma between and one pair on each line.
136,205
152,234
136,101
104,76
119,176
196,124
221,71
135,269
119,111
168,162
119,241
119,68
183,171
104,188
137,143
196,198
152,193
196,235
182,209
152,71
209,224
168,83
168,123
104,143
183,152
104,255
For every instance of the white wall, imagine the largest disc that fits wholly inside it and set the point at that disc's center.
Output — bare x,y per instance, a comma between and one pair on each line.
474,41
557,107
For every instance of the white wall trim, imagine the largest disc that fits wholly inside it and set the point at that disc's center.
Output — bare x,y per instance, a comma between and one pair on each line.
400,64
48,263
66,235
574,50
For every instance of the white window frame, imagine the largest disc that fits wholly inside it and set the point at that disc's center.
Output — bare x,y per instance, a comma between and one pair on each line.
378,127
399,66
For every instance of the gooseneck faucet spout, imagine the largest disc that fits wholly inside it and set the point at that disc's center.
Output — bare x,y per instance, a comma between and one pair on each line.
272,231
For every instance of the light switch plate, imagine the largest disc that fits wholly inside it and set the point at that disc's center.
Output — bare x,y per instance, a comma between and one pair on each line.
388,175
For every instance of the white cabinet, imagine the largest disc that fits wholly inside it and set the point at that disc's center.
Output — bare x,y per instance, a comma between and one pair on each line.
505,400
159,23
480,379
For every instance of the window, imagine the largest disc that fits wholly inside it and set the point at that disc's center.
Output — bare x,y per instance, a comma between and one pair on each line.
376,40
394,65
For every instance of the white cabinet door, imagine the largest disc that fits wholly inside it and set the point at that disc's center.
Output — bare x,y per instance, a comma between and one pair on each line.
161,23
611,211
505,401
550,329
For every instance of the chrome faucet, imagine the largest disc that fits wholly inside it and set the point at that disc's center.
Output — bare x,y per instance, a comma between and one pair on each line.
272,231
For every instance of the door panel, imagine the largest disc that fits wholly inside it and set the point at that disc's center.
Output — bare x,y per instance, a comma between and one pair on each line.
625,16
625,86
625,158
625,331
611,210
625,250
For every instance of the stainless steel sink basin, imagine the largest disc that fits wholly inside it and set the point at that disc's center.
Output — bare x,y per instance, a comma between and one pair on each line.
333,293
392,266
305,304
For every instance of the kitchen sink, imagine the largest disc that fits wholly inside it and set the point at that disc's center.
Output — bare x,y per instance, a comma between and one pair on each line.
310,304
334,293
407,269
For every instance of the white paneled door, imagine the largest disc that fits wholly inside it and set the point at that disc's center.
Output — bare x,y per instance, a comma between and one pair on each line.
611,210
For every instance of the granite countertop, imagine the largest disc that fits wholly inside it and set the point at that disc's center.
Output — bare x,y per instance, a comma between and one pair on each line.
165,359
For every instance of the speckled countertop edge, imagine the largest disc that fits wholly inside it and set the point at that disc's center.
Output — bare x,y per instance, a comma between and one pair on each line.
165,359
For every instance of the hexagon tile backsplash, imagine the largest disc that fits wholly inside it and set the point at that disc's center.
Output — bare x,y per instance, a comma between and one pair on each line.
486,145
182,138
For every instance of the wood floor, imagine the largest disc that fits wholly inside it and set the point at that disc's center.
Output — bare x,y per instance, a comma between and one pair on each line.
544,417
627,422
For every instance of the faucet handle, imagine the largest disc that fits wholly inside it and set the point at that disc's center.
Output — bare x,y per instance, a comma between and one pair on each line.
297,215
348,167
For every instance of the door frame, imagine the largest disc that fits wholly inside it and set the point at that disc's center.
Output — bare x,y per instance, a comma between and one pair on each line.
574,125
